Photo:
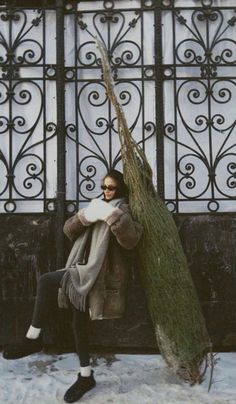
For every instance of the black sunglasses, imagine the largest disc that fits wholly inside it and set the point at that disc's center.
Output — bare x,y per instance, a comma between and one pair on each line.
109,187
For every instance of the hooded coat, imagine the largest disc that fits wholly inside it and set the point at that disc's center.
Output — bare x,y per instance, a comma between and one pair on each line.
107,296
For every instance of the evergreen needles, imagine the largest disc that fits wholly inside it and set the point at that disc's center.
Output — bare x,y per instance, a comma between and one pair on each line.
173,304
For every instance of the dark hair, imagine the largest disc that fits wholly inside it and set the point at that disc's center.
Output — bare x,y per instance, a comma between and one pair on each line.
122,190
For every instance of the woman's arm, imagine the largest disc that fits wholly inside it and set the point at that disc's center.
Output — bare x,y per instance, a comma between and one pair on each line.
126,230
75,225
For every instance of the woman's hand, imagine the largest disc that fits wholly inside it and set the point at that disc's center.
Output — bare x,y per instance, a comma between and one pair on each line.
98,210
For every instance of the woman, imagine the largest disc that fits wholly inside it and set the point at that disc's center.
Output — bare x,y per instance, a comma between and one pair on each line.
93,283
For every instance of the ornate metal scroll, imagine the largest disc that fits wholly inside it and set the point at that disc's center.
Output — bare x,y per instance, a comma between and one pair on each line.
92,140
200,87
25,130
187,87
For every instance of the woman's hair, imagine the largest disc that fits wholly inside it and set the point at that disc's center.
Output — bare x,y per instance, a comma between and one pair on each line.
122,190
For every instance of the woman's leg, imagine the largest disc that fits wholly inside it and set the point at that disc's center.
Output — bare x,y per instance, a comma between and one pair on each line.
46,298
46,301
80,324
85,381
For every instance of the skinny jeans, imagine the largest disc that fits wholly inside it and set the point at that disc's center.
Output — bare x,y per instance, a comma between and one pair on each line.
46,303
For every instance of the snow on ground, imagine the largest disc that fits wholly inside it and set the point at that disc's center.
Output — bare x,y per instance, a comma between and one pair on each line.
121,379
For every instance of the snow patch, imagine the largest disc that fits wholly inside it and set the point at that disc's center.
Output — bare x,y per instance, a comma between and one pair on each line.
121,379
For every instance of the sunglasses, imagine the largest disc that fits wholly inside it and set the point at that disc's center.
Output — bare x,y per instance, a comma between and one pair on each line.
109,187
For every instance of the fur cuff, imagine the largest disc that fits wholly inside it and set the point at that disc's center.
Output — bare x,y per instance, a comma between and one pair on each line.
114,216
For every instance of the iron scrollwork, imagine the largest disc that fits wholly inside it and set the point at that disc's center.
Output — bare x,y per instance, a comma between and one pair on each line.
95,133
204,127
23,169
202,72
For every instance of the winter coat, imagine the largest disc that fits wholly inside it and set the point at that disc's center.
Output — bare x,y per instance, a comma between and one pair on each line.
107,296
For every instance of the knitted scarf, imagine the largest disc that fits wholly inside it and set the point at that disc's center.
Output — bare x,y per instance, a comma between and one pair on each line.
80,277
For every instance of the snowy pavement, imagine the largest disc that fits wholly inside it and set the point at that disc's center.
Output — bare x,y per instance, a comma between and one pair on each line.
121,379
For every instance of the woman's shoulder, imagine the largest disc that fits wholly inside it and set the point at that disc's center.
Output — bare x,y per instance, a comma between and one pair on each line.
124,205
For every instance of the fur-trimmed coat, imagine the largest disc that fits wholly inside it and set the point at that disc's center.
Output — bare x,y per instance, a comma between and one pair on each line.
107,296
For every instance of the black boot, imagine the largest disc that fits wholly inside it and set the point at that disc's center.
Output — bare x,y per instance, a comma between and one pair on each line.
79,388
22,348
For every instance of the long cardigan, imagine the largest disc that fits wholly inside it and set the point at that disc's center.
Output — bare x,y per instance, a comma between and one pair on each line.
107,296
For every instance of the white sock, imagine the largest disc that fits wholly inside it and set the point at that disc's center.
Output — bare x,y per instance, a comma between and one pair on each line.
85,371
33,333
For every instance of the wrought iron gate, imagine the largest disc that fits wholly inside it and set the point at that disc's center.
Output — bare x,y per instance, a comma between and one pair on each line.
173,63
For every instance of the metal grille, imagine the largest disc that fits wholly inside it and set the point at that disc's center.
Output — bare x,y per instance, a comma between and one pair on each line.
199,73
92,140
28,108
173,64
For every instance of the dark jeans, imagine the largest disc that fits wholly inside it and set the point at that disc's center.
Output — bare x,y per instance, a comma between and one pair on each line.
46,301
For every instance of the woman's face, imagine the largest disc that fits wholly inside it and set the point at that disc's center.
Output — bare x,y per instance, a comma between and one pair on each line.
111,186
